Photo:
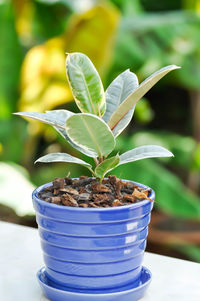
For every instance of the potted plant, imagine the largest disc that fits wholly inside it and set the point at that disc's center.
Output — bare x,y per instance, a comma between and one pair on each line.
93,230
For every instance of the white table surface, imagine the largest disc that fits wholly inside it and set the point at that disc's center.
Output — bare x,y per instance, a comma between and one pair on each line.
21,257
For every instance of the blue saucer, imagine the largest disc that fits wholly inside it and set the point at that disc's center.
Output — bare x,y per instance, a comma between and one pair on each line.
130,292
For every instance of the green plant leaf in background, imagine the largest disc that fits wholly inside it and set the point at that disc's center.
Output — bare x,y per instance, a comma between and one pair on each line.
144,152
90,133
183,147
85,84
9,64
120,88
143,112
107,165
137,94
62,157
192,251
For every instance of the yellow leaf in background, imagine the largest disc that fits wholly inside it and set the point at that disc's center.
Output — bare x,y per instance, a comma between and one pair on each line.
43,83
43,79
192,4
1,148
54,62
93,33
33,90
56,93
198,8
24,10
47,60
32,65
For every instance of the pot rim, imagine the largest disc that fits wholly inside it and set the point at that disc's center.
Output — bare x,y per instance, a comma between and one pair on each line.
81,209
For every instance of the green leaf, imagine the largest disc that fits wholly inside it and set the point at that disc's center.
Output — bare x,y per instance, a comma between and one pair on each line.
120,88
183,147
85,84
62,157
137,94
107,165
144,152
56,118
90,133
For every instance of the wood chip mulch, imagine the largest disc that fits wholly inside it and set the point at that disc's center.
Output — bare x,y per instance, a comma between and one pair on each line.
89,193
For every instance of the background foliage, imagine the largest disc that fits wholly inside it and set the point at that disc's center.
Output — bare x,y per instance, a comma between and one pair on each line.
117,34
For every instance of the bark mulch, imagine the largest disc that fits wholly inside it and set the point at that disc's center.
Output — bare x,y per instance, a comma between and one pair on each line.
89,193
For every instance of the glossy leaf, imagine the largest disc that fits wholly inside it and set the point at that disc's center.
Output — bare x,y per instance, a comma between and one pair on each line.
107,165
90,133
62,157
133,98
56,118
120,88
85,84
144,152
183,147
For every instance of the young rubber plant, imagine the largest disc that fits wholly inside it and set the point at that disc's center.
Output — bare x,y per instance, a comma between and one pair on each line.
104,115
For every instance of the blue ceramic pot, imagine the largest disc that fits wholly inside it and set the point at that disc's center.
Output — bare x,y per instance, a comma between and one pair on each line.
93,248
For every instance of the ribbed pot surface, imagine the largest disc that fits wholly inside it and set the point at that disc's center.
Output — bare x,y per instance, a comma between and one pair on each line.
93,248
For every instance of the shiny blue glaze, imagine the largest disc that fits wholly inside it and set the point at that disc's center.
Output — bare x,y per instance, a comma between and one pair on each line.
131,292
93,256
83,282
93,242
93,269
89,230
84,243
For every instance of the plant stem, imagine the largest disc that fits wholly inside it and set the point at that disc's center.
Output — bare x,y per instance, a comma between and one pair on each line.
96,161
92,172
100,181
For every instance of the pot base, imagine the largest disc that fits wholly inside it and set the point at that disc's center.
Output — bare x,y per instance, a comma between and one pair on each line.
131,292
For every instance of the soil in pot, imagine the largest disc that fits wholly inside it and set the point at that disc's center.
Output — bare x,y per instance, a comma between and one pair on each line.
90,193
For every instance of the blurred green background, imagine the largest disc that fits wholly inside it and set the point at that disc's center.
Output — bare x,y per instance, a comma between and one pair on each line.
117,34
